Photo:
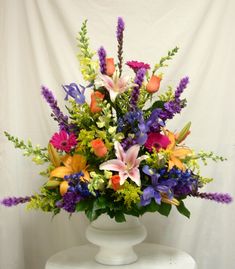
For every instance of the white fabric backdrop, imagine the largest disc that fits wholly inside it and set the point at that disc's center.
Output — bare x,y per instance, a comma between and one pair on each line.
38,47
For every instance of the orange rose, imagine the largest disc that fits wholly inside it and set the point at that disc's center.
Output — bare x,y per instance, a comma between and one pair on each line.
99,147
96,98
153,84
110,67
115,180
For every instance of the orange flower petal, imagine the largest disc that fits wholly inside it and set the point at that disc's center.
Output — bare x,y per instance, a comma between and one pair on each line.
181,152
61,171
78,163
64,187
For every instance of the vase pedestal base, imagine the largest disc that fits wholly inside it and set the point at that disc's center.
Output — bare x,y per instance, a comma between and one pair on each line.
150,256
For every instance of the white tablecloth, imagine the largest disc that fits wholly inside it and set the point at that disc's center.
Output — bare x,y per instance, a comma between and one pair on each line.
150,256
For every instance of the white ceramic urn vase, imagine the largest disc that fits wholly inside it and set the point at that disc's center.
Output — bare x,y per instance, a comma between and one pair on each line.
116,240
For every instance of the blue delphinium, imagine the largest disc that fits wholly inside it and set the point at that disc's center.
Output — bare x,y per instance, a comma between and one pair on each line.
77,191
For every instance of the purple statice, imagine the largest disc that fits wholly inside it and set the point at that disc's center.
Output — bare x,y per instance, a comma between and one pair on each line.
73,91
102,60
120,30
13,201
223,198
69,201
56,112
182,85
139,79
157,187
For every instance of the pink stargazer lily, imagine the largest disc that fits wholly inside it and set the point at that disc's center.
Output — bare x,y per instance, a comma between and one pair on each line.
126,163
114,85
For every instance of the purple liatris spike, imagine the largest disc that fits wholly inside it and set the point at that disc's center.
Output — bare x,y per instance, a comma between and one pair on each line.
13,201
102,59
136,90
223,198
182,85
56,112
120,30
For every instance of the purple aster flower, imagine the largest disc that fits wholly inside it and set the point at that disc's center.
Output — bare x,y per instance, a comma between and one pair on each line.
182,85
139,79
73,91
223,198
56,112
120,30
13,201
102,59
135,65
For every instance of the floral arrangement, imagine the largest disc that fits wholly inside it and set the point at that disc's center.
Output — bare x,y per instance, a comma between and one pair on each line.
113,153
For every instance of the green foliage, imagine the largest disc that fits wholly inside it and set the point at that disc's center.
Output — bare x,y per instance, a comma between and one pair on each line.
130,194
144,96
85,55
157,159
167,96
183,210
204,180
38,154
46,201
98,181
204,156
105,119
81,115
163,60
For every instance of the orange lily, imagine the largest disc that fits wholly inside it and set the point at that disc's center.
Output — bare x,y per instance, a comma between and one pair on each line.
176,153
72,164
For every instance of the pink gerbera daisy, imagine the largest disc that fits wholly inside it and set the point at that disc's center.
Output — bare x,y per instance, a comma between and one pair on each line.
63,141
157,141
137,65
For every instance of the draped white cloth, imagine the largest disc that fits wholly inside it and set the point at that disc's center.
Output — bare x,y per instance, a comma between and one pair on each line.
38,46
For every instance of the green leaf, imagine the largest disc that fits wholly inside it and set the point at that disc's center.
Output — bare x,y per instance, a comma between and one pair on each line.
152,207
119,216
183,210
165,209
51,184
157,104
82,205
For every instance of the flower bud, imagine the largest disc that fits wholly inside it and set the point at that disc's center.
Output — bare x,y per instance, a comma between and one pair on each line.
110,67
153,84
96,98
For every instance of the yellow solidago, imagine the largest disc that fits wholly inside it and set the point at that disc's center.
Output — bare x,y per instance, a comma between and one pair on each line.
129,193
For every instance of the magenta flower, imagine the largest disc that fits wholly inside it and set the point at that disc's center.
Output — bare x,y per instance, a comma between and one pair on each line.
127,163
137,65
63,141
157,141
